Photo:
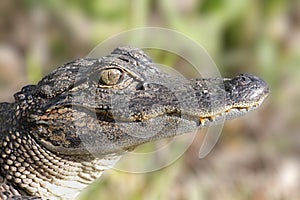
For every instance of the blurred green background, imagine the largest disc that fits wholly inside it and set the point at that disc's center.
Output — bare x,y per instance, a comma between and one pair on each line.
257,156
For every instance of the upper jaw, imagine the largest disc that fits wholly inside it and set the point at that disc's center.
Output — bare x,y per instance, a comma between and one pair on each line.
194,111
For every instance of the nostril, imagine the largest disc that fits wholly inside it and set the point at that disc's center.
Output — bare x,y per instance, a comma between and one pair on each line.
244,79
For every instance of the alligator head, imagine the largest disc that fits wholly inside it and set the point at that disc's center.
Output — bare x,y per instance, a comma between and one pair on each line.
117,102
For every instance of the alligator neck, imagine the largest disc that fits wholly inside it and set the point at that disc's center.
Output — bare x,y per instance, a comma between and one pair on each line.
44,173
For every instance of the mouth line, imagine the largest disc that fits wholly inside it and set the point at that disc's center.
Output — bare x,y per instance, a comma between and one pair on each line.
199,118
231,112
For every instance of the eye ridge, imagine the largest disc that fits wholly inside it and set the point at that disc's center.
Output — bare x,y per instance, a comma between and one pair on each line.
111,76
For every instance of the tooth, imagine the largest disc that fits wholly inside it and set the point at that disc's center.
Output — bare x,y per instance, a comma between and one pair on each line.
202,120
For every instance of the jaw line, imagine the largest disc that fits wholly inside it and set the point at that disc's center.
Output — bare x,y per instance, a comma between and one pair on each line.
239,109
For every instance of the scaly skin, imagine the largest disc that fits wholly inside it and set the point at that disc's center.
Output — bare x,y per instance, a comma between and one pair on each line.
105,107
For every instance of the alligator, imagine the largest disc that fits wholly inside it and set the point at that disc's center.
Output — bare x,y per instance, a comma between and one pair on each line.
58,135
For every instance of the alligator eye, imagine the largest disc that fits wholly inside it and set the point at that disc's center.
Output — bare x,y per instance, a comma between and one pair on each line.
110,76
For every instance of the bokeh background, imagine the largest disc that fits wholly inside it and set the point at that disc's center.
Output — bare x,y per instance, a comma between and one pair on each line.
257,156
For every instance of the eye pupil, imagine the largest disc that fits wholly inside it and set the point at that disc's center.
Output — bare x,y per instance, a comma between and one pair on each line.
110,76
